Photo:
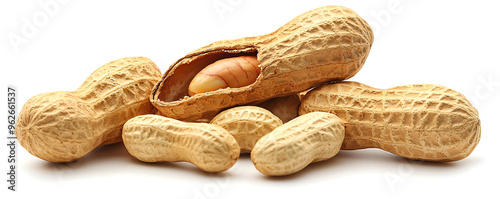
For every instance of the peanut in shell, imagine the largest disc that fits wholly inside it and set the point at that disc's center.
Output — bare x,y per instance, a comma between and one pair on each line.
63,126
324,44
419,121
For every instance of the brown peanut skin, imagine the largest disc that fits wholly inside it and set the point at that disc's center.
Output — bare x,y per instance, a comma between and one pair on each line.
154,138
321,45
231,72
420,121
64,126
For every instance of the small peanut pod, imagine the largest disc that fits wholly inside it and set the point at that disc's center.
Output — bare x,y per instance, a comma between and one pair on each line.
154,138
231,72
419,121
247,124
325,44
309,138
64,126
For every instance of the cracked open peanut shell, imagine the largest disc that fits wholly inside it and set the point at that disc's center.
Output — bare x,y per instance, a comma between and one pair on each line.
321,45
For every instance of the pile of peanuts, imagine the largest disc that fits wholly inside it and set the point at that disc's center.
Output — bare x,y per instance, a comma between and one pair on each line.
280,97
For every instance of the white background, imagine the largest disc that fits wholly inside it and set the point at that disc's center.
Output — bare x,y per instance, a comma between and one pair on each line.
452,43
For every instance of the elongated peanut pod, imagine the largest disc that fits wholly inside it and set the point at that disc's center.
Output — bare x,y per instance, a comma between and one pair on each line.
232,72
418,121
309,138
63,126
154,138
330,43
247,124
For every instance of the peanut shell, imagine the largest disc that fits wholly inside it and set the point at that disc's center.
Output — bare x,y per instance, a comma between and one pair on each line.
247,124
286,108
309,138
154,138
324,44
419,121
64,126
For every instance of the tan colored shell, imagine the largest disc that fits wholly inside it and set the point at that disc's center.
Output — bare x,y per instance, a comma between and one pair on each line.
286,108
324,44
247,124
154,138
64,126
309,138
419,121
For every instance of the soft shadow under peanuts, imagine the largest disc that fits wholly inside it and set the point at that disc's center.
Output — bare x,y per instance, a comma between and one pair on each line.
314,167
108,153
444,168
370,154
244,156
379,155
376,156
393,158
424,168
178,167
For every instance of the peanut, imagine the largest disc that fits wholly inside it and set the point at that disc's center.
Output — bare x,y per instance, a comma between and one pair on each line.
64,126
324,44
419,121
231,72
309,138
286,108
247,124
154,138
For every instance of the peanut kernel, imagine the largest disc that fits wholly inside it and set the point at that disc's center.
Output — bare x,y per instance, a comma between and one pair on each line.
231,72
